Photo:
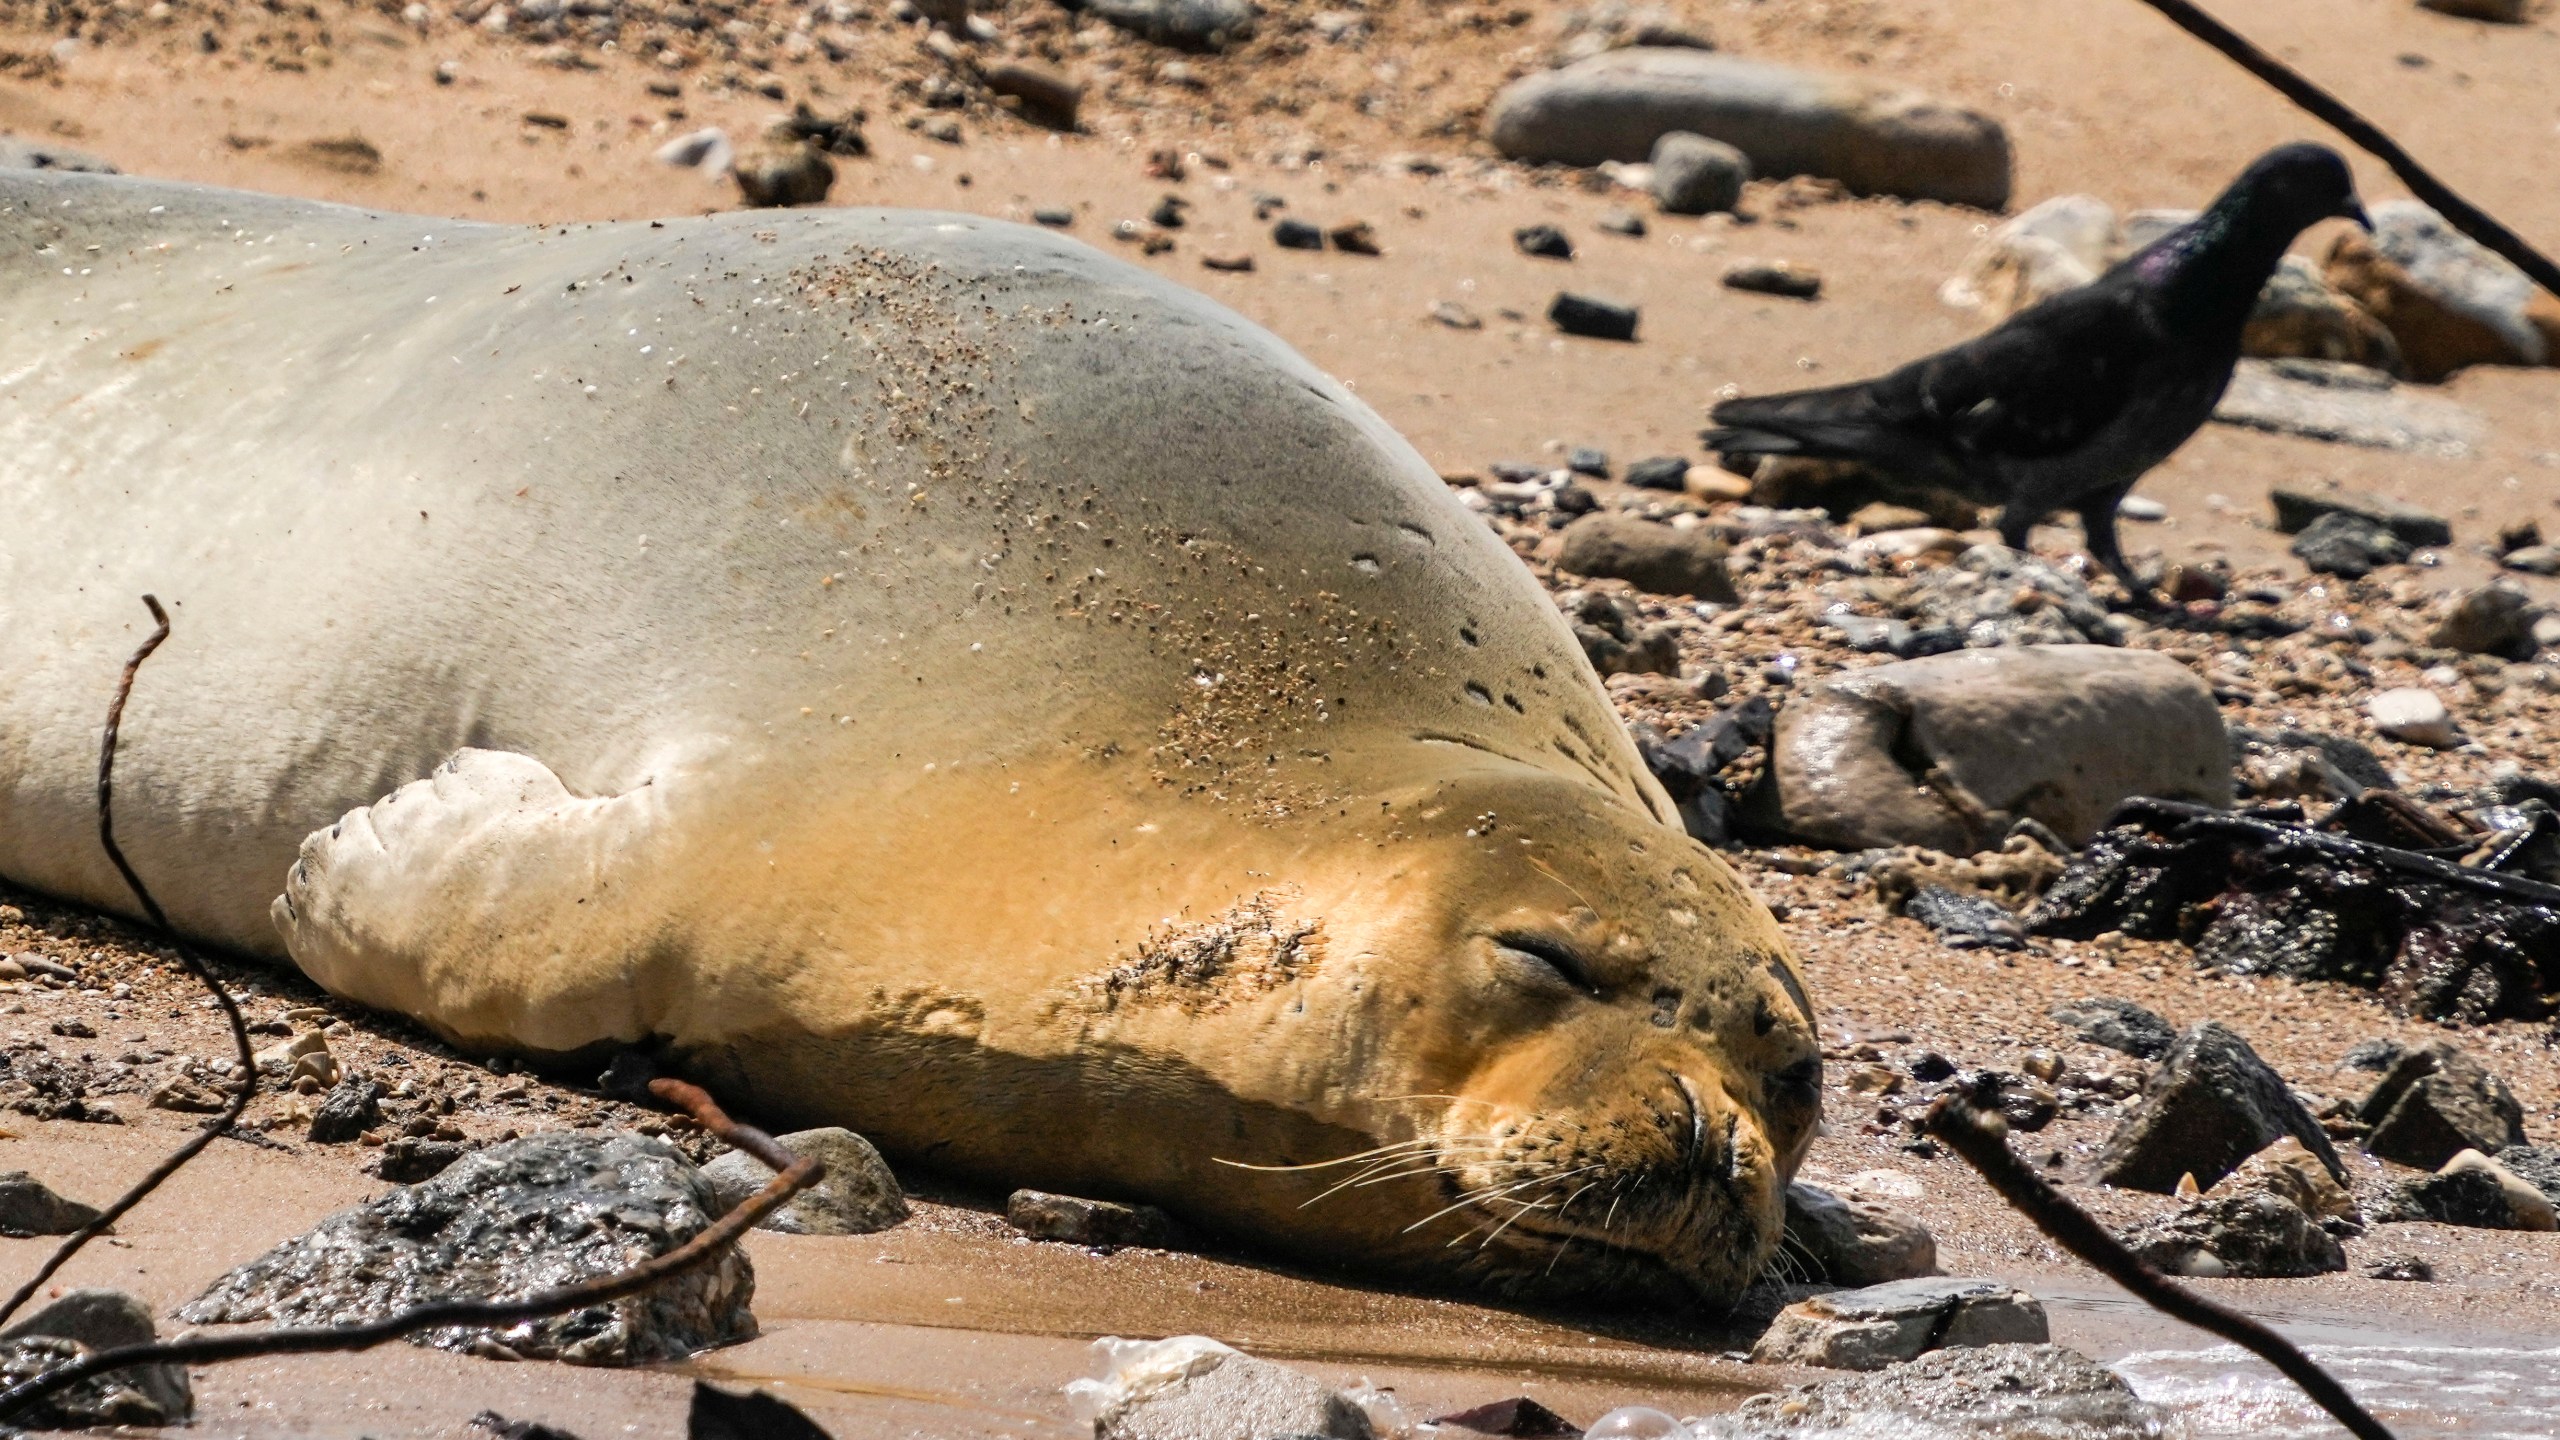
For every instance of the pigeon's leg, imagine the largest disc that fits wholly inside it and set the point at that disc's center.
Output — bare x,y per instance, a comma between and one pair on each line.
2016,519
2098,530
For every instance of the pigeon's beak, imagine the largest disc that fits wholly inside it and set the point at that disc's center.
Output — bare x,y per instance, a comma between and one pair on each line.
2354,210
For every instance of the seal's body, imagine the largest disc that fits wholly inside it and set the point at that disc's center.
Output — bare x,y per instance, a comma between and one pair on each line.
921,673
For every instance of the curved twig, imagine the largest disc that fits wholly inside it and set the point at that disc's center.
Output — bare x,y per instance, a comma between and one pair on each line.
248,1085
2290,83
796,1173
1983,1141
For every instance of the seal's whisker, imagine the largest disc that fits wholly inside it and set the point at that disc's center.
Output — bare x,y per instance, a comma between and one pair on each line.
1414,1144
1477,1196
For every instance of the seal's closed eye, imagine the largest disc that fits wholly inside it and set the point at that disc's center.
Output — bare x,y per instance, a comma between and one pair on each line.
1553,957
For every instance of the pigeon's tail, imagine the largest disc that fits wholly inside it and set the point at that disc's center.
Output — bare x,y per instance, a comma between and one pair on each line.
1837,424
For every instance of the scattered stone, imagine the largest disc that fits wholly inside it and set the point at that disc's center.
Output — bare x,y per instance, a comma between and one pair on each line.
2345,403
2296,509
1584,460
2348,546
1872,1328
1455,315
1056,217
2448,301
2474,1199
1193,1388
1965,922
857,1197
1849,1240
525,1215
2001,1389
2057,733
2248,1234
2492,620
28,1206
1355,238
2436,1102
1519,1416
96,1320
1234,264
1659,472
2119,1025
2399,1267
2533,560
1874,139
351,1109
1168,212
1842,488
1775,278
1181,24
1994,596
718,1414
408,1159
22,154
2305,764
340,155
1079,1221
1546,241
1045,95
187,1097
2210,1105
707,150
105,1400
2497,12
1293,234
2374,1055
1661,559
1693,175
1622,222
2414,717
782,169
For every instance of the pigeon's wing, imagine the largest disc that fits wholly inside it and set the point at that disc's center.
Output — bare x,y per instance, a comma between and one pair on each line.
2046,383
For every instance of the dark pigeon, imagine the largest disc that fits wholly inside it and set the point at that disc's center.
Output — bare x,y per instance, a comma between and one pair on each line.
2069,402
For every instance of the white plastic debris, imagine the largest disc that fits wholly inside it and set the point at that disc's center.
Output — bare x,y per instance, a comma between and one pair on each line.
1127,1372
1638,1422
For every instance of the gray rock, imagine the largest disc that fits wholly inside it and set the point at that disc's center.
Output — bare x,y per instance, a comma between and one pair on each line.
1965,922
2119,1025
2211,1104
408,1159
1778,278
1693,175
1586,460
2536,1165
350,1110
1662,559
1874,139
2492,620
1080,1221
1297,235
2249,1235
113,1399
1849,1240
1622,222
1593,317
527,1215
2019,1391
1993,596
1659,472
1056,217
2349,546
1216,1393
1947,752
1547,242
29,1207
22,154
857,1197
99,1319
2347,404
2399,1267
1182,24
2472,1199
1871,1328
2296,509
2435,1103
2353,764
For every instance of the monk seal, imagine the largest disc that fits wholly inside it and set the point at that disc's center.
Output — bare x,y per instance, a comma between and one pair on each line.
916,671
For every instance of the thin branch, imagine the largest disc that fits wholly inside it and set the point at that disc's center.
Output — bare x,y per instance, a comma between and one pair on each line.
2290,83
797,1173
248,1085
1983,1141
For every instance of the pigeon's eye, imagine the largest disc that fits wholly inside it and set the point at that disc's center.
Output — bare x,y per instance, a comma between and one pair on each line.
1546,958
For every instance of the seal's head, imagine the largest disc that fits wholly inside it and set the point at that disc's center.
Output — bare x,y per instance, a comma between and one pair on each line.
1590,1065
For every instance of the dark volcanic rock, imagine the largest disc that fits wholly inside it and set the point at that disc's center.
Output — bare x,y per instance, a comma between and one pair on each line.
1044,1216
350,1110
527,1215
2211,1105
406,1160
2469,1198
2536,1165
1965,922
1659,472
1591,316
2119,1025
29,1207
2349,546
2250,1235
2435,1103
718,1414
1518,1416
2296,510
1544,241
1297,235
2002,1390
98,1320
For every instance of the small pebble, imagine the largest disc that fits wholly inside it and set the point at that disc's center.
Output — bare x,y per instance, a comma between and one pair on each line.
1777,278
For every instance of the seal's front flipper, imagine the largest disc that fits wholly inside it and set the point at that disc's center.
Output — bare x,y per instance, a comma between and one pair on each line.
486,900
